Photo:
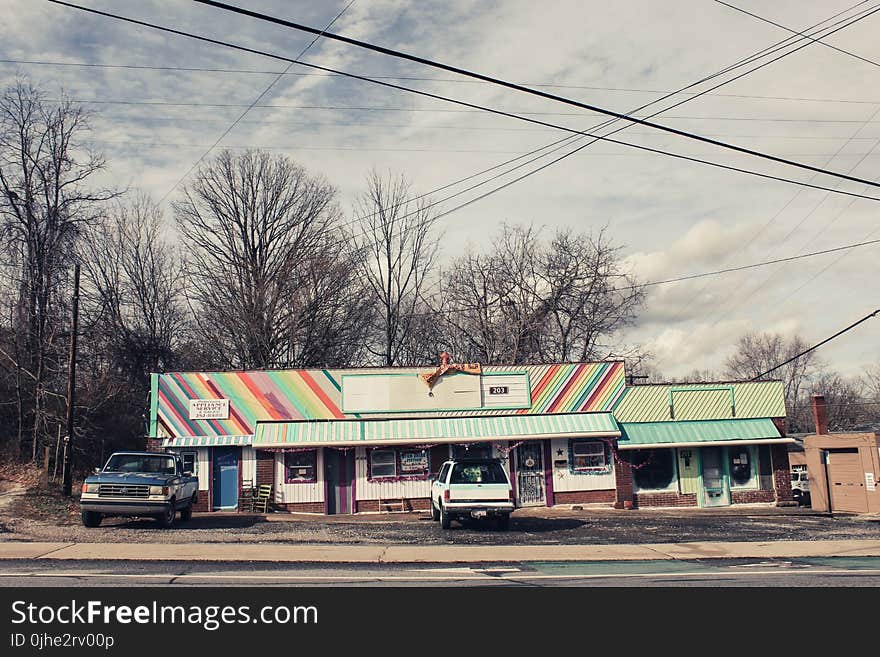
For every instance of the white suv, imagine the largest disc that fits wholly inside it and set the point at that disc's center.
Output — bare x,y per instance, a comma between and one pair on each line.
474,488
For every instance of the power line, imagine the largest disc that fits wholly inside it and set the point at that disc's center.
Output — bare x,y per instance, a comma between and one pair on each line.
528,90
196,69
752,266
819,344
472,105
256,100
788,29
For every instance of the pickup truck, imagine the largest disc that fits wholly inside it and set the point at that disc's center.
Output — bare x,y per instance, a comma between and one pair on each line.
139,484
472,488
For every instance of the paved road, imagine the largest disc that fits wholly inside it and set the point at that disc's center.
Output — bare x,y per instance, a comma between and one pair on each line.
834,571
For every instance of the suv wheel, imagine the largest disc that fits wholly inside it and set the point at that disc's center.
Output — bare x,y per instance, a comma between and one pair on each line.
445,519
435,512
166,519
91,518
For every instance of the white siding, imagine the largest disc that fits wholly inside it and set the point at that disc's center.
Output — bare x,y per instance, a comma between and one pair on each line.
248,464
374,490
291,493
564,481
517,395
204,473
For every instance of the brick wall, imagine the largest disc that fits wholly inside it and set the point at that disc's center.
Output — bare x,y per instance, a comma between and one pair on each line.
265,468
301,507
154,444
415,504
782,475
624,492
751,496
201,504
586,497
665,499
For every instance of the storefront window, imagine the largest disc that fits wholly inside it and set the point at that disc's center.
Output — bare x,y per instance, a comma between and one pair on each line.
589,456
383,463
653,469
301,467
413,462
742,466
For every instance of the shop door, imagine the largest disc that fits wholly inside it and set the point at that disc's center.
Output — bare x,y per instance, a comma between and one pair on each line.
339,475
846,479
715,489
530,474
225,478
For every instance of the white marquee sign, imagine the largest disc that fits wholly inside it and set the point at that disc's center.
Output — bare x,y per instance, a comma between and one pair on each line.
208,409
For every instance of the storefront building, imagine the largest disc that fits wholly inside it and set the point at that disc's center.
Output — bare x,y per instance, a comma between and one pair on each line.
367,440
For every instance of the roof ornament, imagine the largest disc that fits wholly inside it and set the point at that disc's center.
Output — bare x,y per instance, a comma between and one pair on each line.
431,378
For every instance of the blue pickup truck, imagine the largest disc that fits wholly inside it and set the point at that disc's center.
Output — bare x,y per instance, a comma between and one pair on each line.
139,484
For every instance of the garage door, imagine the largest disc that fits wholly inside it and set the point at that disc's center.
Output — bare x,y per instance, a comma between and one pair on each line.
847,481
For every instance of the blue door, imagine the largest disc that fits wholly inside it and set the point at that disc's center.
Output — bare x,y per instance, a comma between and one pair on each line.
226,477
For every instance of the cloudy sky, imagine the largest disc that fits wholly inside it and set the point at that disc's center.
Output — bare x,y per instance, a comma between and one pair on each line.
672,217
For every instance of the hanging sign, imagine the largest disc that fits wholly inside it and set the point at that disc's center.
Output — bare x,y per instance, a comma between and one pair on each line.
208,409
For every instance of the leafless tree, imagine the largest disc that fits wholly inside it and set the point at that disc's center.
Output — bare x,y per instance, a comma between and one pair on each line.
132,288
755,353
532,301
249,224
399,247
45,202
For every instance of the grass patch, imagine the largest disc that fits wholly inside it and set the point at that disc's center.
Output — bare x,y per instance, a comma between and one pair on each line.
47,505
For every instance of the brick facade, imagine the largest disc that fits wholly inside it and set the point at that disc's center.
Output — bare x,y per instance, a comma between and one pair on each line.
414,504
782,476
265,468
201,505
624,496
665,499
154,444
301,507
586,497
751,496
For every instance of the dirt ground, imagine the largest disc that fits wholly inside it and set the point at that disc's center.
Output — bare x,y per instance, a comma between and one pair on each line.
50,518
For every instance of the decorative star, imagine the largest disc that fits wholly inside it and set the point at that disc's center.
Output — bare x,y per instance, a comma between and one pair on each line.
558,452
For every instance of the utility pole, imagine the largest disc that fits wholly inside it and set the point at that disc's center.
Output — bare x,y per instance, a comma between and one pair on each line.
71,390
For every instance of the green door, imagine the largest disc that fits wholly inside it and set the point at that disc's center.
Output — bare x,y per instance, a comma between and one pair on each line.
716,491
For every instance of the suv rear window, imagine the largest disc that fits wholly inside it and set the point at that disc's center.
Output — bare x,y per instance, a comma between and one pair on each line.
478,473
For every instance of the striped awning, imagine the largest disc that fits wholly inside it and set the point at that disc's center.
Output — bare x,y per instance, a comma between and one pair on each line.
435,430
699,433
207,441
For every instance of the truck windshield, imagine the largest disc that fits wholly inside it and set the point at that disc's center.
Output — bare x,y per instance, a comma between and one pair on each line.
477,473
139,463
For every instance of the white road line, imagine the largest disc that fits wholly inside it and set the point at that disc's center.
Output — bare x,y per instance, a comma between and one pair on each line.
474,576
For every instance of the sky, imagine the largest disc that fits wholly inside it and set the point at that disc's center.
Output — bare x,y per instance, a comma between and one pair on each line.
671,217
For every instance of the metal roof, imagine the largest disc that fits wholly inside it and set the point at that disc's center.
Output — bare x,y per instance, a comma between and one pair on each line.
635,435
709,401
435,430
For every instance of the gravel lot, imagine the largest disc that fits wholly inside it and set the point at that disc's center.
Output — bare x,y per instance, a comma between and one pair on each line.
529,526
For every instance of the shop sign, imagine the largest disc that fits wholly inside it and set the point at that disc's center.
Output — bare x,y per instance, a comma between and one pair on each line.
208,409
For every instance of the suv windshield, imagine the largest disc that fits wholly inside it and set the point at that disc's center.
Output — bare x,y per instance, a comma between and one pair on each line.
139,463
478,473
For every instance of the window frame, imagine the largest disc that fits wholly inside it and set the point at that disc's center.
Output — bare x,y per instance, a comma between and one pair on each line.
573,443
754,477
421,475
314,466
672,487
393,462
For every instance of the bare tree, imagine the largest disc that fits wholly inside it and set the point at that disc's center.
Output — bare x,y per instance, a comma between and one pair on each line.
249,224
399,250
132,288
533,301
45,164
755,353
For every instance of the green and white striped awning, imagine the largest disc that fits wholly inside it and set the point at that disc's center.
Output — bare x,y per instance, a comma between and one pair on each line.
699,433
434,430
207,441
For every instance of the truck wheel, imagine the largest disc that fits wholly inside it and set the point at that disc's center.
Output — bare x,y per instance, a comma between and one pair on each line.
435,512
187,512
166,519
91,518
502,523
445,519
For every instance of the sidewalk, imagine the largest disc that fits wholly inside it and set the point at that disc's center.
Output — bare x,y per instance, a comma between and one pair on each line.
314,553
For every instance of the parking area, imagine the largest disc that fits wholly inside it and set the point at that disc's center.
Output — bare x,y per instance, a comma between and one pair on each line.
536,526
